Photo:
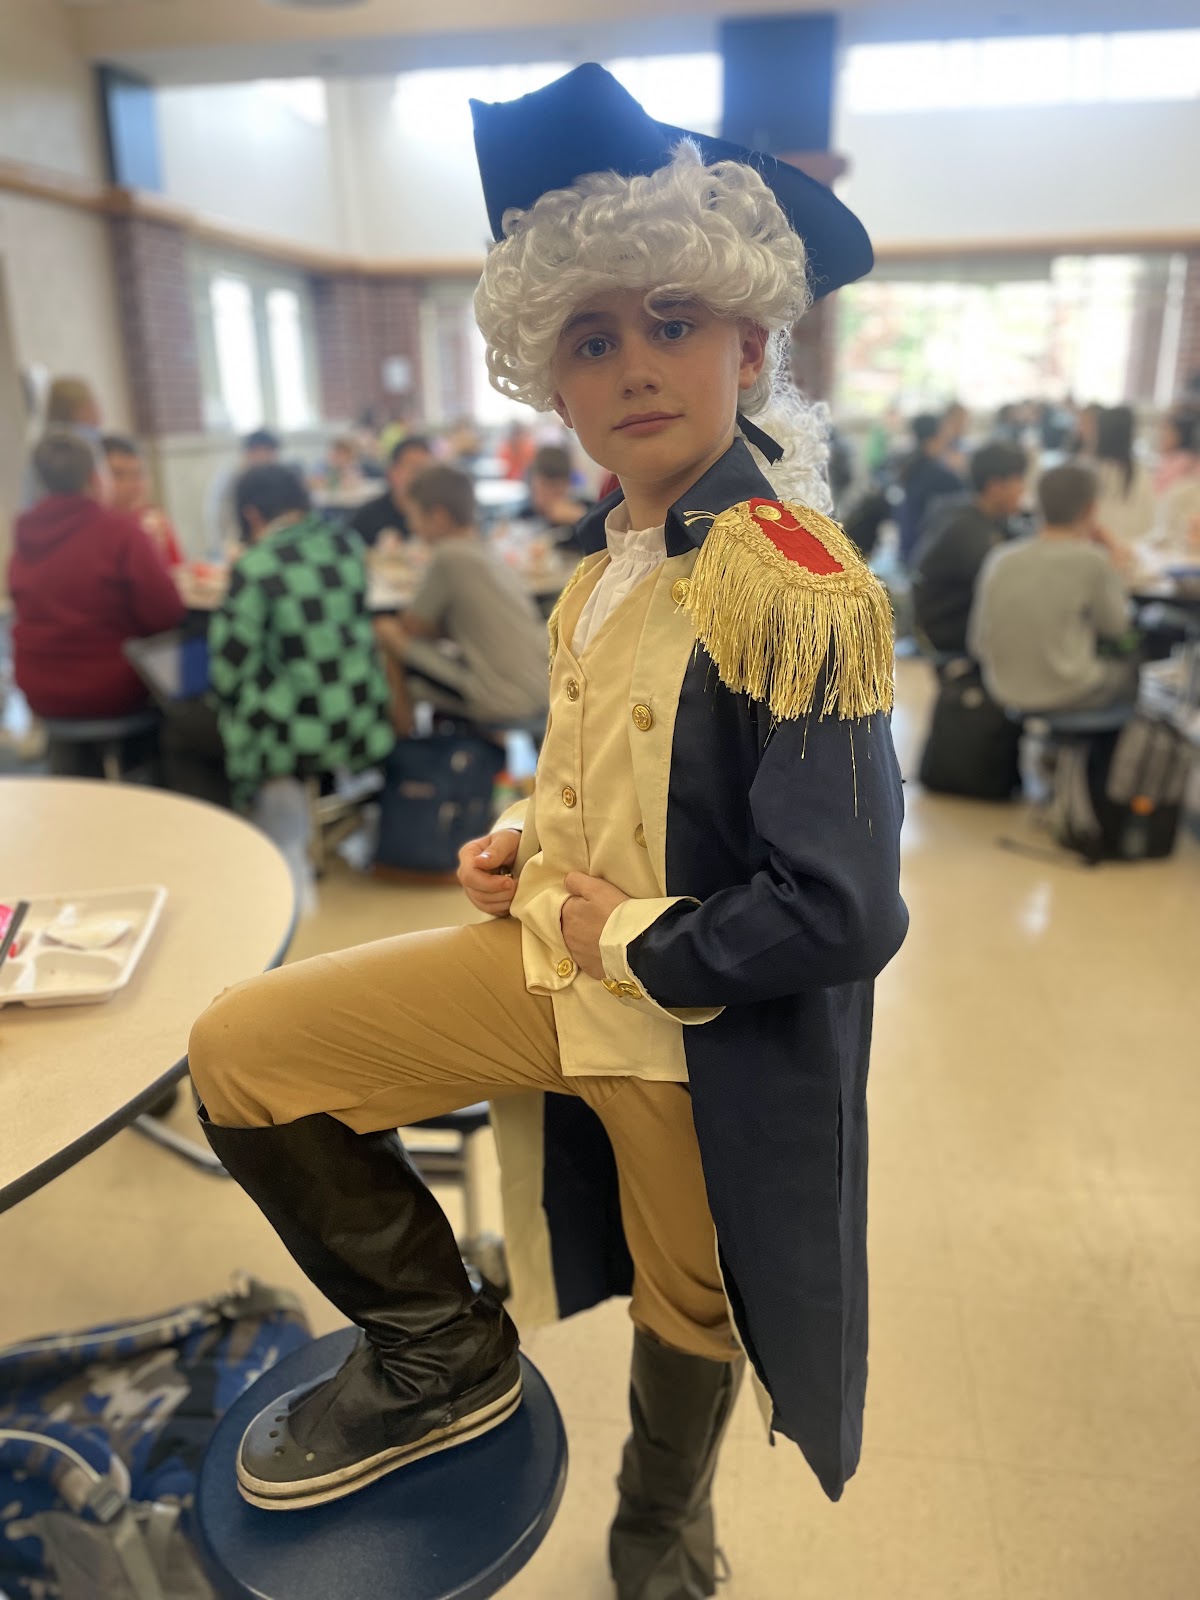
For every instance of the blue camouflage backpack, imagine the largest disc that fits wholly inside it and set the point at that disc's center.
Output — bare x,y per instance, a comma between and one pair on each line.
101,1435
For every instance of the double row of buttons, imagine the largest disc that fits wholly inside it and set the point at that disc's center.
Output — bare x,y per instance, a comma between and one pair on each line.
643,721
643,717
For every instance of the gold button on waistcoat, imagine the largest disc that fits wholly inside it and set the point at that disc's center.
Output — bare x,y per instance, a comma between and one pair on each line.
639,836
572,689
680,590
612,986
569,797
566,967
643,718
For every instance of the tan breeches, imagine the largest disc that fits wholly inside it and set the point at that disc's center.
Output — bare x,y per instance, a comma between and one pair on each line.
389,1033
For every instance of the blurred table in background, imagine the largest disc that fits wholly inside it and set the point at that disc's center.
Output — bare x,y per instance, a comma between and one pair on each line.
347,499
394,576
72,1076
499,497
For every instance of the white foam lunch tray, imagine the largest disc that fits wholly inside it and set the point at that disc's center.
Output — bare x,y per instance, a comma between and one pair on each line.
47,974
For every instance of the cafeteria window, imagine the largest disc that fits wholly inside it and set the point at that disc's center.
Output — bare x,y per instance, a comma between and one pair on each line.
1031,70
257,359
432,105
1104,328
454,364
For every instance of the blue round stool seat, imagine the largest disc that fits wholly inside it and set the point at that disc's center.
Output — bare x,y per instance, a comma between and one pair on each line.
1074,724
456,1526
100,730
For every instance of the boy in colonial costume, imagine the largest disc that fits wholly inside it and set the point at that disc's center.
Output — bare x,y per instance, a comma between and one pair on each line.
669,1004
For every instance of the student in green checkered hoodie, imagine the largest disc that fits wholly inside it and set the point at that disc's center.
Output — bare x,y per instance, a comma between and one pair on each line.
293,663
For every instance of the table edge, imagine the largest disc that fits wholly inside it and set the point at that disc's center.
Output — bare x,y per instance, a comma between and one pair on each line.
70,1155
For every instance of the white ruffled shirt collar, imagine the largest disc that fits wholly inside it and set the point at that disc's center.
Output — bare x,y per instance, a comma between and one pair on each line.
633,554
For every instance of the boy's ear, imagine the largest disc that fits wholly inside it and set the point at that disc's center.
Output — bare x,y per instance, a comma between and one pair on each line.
754,354
560,406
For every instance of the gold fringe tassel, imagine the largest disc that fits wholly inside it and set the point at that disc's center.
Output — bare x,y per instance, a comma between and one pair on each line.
773,627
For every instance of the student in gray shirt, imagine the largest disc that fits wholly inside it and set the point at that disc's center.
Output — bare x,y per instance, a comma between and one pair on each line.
1043,607
472,642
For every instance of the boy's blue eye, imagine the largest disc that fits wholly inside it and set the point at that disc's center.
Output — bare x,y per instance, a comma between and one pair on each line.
674,330
596,346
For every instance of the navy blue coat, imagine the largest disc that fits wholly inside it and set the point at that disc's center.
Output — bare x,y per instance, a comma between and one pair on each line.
787,833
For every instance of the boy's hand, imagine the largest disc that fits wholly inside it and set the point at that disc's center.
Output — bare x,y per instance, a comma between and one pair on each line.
592,902
483,871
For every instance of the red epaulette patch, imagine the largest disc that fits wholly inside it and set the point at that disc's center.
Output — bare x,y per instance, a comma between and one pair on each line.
792,539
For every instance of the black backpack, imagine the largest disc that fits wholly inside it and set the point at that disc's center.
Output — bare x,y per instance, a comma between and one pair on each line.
973,748
437,794
1118,796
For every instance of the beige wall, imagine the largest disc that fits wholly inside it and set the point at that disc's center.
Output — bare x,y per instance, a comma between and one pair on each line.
60,299
62,296
283,164
48,111
60,305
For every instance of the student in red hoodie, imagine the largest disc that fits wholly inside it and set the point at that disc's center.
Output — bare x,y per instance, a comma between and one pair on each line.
83,579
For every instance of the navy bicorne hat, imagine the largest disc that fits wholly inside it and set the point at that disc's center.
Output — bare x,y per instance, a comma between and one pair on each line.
588,122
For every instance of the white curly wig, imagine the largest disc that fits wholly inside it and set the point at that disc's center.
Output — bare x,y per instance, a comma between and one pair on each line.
688,231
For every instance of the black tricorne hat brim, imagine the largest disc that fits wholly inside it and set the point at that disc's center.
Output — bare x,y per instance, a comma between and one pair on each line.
588,122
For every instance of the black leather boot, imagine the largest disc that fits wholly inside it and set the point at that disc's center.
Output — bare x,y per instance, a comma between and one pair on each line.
438,1364
663,1541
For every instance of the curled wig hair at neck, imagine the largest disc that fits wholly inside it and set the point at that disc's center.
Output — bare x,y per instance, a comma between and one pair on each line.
712,234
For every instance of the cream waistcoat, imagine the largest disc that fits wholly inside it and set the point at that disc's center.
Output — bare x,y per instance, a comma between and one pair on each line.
607,748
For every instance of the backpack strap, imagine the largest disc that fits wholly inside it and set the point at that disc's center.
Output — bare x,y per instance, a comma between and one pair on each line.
99,1497
245,1298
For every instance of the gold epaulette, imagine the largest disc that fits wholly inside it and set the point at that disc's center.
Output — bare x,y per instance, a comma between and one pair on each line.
785,605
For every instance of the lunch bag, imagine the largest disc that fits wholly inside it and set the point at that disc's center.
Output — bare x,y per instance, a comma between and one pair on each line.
437,794
101,1436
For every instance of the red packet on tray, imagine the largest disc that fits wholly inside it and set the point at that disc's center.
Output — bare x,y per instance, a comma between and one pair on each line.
7,913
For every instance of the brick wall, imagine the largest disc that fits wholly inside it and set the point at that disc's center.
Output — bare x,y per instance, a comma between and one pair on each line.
342,316
1189,338
814,343
362,322
814,350
158,325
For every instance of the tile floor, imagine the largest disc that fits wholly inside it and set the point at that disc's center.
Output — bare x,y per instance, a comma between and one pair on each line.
1033,1421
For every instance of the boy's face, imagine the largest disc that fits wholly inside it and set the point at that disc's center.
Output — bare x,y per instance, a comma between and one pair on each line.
547,493
403,470
428,523
653,398
1004,496
128,476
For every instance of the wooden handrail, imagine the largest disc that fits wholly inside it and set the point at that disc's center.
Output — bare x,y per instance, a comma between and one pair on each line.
41,183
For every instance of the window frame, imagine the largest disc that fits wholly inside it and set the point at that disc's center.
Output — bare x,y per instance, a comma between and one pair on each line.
260,277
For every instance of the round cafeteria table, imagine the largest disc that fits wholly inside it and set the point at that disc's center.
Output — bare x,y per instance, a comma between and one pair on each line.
72,1076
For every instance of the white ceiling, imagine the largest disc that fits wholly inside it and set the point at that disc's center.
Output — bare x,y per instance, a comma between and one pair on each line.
190,41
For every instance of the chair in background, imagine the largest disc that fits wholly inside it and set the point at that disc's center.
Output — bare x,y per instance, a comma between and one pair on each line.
460,1164
102,737
337,812
1046,734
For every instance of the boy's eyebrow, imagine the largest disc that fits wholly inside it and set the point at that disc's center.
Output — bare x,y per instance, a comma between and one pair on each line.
578,321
